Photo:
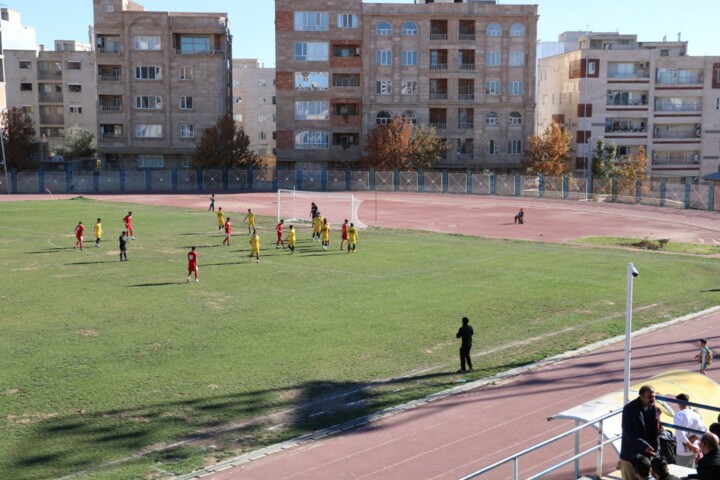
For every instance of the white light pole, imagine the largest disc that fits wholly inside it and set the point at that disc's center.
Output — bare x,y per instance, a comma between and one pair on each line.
631,274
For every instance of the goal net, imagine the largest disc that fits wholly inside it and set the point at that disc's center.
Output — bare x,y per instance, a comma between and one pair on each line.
294,206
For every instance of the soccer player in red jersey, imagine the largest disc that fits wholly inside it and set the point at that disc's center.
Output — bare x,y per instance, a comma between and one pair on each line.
128,225
344,234
228,232
279,230
192,265
79,230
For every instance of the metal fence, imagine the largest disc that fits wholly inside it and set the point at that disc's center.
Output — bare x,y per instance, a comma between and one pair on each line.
661,192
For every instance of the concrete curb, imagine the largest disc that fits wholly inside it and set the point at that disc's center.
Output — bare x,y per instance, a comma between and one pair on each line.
355,423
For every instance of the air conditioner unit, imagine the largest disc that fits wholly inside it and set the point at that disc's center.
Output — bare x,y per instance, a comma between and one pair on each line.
696,157
642,65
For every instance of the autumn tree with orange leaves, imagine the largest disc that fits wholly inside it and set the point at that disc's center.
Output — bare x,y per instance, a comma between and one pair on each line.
549,152
389,145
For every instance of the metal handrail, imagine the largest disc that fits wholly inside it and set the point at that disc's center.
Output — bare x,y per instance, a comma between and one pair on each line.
575,457
514,458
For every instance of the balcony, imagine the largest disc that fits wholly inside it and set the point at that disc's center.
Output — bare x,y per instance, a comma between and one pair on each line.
345,80
466,66
50,75
464,97
466,125
676,158
467,37
438,66
46,119
677,132
112,137
681,77
201,51
678,107
111,108
113,77
439,126
438,96
438,36
50,97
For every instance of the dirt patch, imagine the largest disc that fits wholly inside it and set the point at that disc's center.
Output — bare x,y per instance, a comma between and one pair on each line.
29,418
88,333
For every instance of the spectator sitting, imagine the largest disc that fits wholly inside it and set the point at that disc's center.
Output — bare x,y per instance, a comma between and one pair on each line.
642,468
660,469
520,217
708,468
714,428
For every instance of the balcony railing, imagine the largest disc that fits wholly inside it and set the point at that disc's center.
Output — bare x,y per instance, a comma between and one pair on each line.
467,66
346,83
109,78
52,119
52,97
200,52
466,96
676,158
439,126
438,36
466,125
467,37
438,66
112,137
111,108
46,75
680,79
438,96
625,130
629,103
631,75
661,132
109,50
678,107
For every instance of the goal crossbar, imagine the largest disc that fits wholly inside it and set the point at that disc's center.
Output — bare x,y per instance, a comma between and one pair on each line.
294,206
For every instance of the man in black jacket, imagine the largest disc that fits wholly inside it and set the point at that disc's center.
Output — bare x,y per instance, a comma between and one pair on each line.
640,430
465,334
708,468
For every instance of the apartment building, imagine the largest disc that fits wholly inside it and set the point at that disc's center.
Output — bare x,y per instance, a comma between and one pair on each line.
55,88
162,77
465,67
254,105
634,94
13,36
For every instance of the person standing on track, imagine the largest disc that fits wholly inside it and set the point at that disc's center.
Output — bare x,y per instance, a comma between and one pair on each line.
79,231
465,334
128,225
705,356
220,219
192,265
211,208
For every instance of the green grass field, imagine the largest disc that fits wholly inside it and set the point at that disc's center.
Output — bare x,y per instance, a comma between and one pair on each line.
118,370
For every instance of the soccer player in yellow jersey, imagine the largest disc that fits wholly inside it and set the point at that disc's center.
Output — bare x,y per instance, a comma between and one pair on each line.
250,219
291,239
352,238
98,232
325,234
220,219
254,247
317,226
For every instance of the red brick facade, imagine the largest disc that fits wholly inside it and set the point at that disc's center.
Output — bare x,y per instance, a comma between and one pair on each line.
285,139
284,81
284,22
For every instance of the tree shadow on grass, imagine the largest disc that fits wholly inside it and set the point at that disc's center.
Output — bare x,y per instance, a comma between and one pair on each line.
51,250
159,284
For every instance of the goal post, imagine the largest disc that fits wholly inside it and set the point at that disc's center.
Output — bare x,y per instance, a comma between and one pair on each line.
294,206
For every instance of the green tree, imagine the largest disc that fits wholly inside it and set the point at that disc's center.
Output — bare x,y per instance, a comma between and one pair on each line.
550,151
19,137
388,145
224,145
605,161
427,148
79,143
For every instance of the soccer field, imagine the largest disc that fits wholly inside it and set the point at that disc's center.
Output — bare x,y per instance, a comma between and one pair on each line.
123,370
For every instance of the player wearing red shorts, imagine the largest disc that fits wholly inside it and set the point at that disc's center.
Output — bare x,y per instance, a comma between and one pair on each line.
128,225
228,232
279,230
192,264
344,233
79,230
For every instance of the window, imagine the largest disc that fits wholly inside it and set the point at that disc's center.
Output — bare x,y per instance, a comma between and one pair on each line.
383,57
262,83
25,64
311,51
517,30
237,117
261,118
383,87
311,22
348,20
311,81
492,87
191,44
492,147
409,117
108,8
147,43
27,108
382,118
494,30
262,100
514,147
516,58
409,29
151,161
74,65
187,130
75,109
75,88
26,87
409,57
147,73
317,110
262,135
492,59
148,102
591,68
148,130
515,118
311,139
408,87
383,29
186,103
515,88
236,83
491,118
186,73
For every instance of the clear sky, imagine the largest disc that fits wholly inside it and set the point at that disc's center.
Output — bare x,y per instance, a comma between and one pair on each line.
252,21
